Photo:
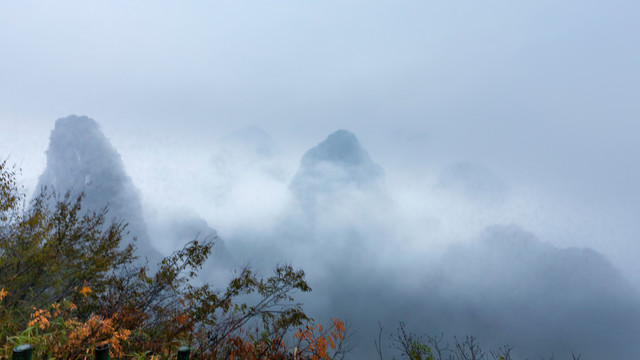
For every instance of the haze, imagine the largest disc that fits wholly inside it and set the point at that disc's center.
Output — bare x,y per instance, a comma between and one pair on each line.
505,134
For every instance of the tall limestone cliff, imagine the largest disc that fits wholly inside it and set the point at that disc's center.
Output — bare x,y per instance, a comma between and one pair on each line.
81,158
337,163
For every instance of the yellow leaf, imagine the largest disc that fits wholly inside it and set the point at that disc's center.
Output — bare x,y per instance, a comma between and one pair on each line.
85,290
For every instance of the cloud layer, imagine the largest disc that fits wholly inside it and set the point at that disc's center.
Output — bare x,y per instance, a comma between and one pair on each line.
340,221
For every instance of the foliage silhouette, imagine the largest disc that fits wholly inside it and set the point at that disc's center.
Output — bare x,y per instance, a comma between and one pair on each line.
68,284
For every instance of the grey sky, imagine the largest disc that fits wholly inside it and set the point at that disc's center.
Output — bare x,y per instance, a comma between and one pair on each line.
543,94
543,90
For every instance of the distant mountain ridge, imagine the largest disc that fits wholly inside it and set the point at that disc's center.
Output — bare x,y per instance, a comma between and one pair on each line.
252,140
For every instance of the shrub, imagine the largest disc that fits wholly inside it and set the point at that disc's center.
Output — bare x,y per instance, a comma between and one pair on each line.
68,283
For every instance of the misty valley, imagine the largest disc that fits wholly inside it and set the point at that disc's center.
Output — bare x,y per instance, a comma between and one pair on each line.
405,271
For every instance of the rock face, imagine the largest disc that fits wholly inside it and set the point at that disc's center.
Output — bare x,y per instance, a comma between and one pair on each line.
339,162
81,158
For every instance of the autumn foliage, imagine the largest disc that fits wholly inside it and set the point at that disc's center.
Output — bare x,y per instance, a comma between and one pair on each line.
69,283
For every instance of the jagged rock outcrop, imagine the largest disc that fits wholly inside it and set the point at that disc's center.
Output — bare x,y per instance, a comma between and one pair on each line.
339,162
81,158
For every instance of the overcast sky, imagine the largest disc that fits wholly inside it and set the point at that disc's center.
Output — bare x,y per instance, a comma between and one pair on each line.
539,91
544,94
